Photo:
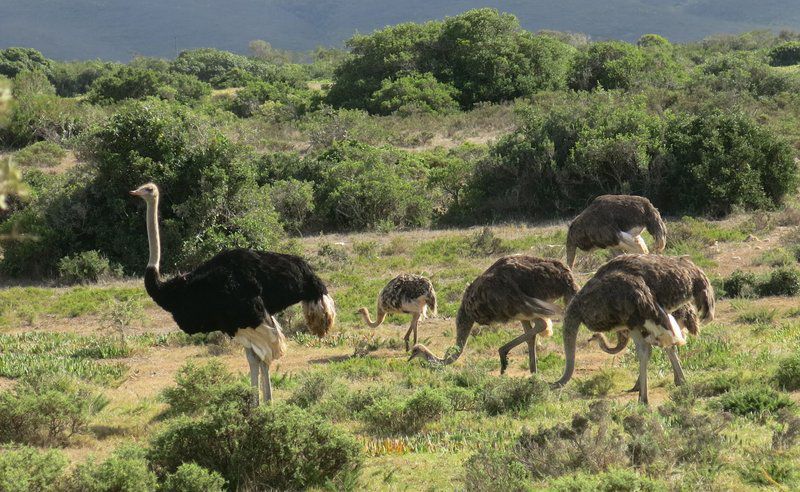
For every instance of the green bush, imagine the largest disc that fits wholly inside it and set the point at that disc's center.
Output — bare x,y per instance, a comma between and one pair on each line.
787,376
190,477
284,98
16,60
614,480
513,394
414,93
406,416
783,281
740,284
41,154
76,77
47,410
754,401
785,54
200,388
126,470
47,117
279,445
495,471
598,385
32,82
85,267
27,469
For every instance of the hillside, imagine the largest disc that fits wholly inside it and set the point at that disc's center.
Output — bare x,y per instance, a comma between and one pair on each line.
116,29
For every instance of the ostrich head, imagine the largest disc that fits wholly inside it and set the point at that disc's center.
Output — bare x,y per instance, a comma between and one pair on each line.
363,311
147,192
595,338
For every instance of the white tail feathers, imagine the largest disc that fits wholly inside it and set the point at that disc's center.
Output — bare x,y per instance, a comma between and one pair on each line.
665,336
267,340
320,315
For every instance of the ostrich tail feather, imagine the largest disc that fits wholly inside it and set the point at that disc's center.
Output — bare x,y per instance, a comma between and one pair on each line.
267,340
320,315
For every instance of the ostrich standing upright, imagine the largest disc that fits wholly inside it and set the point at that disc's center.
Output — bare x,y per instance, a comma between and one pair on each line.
633,294
514,288
237,292
406,293
616,221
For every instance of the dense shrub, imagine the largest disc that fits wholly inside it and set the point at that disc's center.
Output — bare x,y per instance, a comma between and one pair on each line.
27,469
76,77
200,388
495,471
294,201
125,470
787,376
32,82
513,394
47,410
279,446
282,98
138,82
413,93
16,60
406,416
784,281
740,284
785,54
40,154
47,117
754,400
85,267
192,478
614,480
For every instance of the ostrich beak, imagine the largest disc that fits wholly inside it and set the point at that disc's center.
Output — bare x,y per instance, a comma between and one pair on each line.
136,193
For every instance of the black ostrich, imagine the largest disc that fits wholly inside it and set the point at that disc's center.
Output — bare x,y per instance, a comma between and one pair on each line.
237,292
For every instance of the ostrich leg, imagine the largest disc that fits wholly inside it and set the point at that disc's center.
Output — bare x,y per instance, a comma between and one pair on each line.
254,362
643,350
540,327
412,328
505,349
266,384
677,370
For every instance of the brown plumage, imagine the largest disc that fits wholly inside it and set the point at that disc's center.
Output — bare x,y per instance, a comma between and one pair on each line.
632,295
616,221
406,293
519,288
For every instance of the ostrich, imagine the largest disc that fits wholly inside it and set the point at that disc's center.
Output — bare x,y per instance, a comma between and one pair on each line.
406,293
633,294
615,221
514,288
237,292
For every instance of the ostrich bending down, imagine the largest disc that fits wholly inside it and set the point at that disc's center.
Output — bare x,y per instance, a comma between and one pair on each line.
633,294
514,288
405,293
674,281
237,292
615,221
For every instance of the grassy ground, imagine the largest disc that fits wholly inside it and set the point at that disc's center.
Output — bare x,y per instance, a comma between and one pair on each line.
114,337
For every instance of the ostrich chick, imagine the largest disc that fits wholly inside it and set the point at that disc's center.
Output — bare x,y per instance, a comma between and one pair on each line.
519,288
406,293
238,292
616,221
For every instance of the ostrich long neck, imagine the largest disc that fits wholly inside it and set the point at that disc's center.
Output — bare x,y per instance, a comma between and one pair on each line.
463,329
622,342
153,239
368,320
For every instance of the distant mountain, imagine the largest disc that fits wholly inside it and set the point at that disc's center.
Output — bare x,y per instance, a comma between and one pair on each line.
119,29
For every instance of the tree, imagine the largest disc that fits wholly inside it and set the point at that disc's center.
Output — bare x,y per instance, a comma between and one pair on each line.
16,60
785,54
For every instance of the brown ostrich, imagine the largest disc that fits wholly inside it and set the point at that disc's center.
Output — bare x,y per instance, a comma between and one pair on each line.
633,294
406,293
519,288
616,221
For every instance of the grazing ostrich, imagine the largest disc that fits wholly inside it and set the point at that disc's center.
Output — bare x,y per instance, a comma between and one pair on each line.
514,288
237,292
406,293
633,294
615,221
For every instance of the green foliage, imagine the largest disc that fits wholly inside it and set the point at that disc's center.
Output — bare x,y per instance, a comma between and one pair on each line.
740,284
279,445
76,77
190,477
509,395
495,471
16,60
41,154
614,480
125,471
294,201
137,82
27,469
47,410
32,82
85,267
41,116
412,93
785,54
784,281
598,385
754,401
200,388
406,416
787,376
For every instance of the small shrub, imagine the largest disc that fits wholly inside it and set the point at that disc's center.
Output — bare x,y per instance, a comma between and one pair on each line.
398,416
279,445
771,469
785,54
598,385
294,202
754,401
788,434
27,469
201,388
778,257
614,480
495,471
787,375
366,249
190,477
86,267
126,470
311,390
740,284
781,282
41,154
718,383
485,243
513,394
414,93
47,410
